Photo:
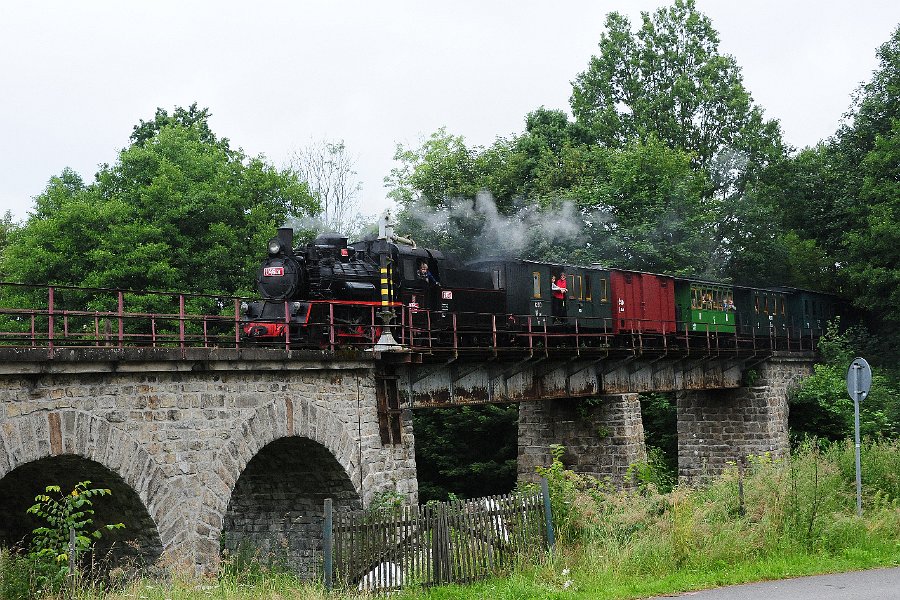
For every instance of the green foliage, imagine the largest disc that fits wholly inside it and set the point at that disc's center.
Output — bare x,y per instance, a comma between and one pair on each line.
659,416
821,407
44,570
468,451
669,81
179,210
656,473
572,496
785,508
64,513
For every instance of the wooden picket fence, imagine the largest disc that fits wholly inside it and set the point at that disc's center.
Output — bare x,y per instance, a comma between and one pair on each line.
433,544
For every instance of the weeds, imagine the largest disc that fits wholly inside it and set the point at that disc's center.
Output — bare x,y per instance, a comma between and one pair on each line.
765,518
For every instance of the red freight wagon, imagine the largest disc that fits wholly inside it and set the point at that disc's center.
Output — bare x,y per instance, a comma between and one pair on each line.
642,302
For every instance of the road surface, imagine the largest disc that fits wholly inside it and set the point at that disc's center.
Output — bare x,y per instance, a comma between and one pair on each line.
877,584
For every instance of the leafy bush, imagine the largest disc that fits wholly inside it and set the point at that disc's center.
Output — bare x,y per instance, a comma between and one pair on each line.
821,407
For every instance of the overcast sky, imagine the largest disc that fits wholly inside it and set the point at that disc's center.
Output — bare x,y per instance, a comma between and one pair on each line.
75,77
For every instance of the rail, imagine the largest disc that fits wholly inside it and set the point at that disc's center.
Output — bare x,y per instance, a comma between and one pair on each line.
55,317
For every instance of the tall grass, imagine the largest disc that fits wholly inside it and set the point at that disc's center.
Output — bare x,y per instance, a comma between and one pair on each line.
764,519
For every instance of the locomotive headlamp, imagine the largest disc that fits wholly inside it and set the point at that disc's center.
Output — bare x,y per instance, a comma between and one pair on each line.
274,246
244,307
295,307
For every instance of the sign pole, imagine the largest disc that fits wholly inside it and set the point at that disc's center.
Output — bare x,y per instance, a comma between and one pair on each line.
857,444
859,381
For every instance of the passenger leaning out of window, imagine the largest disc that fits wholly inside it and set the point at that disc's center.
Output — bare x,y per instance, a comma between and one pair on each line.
559,289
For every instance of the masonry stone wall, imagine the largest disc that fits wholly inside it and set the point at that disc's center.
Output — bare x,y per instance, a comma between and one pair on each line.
717,427
601,437
182,441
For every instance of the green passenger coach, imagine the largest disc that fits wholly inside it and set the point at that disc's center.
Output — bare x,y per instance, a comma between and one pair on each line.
704,307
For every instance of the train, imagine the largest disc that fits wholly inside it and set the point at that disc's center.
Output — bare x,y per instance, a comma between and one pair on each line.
329,292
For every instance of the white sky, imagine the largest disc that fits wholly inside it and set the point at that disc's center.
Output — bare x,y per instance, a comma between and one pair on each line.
75,77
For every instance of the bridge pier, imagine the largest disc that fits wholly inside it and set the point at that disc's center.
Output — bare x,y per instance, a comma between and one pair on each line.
719,426
602,436
204,449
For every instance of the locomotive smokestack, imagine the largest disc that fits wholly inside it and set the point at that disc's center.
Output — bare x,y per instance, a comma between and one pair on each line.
286,238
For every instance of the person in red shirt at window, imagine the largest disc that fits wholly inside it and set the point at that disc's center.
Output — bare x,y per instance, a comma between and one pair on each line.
559,289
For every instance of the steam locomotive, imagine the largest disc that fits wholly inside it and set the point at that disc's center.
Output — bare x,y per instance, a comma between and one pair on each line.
329,292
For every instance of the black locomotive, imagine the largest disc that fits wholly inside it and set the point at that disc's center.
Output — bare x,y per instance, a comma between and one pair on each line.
329,292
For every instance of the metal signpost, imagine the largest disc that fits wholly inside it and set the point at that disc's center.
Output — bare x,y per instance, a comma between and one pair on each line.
859,381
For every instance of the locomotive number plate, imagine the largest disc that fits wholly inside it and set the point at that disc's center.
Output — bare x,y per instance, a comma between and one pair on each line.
273,272
446,295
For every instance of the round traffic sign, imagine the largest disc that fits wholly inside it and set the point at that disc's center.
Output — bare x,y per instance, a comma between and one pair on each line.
859,379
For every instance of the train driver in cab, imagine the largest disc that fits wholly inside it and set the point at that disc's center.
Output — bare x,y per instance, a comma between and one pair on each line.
425,274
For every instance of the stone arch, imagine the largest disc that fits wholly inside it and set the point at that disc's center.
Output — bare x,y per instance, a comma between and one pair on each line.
50,442
309,425
275,512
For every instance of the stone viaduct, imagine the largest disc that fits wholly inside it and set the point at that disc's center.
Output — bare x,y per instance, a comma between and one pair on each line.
215,449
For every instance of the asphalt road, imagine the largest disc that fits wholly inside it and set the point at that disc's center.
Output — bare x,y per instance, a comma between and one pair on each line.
877,584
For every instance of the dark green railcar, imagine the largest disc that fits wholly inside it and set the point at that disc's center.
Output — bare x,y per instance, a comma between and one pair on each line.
702,306
528,293
761,312
809,312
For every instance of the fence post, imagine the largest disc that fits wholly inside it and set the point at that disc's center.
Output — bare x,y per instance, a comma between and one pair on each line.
548,514
328,544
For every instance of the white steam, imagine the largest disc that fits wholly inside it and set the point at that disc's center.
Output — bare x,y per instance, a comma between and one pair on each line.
520,234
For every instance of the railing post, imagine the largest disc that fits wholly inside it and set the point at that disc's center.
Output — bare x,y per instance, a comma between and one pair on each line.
577,342
455,337
546,340
548,513
328,544
122,317
287,325
331,326
181,320
237,323
50,308
494,332
530,338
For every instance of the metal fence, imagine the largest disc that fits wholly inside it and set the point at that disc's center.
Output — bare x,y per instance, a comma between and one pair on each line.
437,543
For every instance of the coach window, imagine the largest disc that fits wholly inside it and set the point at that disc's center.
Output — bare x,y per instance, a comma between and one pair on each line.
575,287
603,291
587,287
756,304
497,283
537,284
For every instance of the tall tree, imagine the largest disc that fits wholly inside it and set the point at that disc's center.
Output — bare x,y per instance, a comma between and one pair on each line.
670,82
179,210
329,171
